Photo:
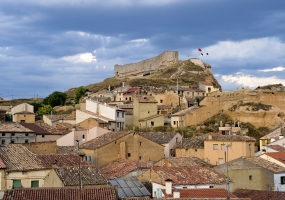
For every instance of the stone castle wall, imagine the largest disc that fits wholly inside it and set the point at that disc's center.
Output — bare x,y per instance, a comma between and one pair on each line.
165,59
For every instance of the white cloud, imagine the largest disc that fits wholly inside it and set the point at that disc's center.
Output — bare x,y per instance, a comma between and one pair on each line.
251,81
80,58
276,69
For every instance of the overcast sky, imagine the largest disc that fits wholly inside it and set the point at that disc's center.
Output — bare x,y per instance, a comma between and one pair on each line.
54,45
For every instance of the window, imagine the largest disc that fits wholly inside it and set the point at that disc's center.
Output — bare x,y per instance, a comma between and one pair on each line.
129,154
12,141
140,158
282,180
118,124
196,150
17,184
87,159
221,161
12,134
140,143
174,122
27,134
24,173
176,139
126,98
223,147
43,136
250,178
2,141
83,136
3,134
134,173
211,186
117,114
26,140
215,146
123,114
152,123
161,100
34,183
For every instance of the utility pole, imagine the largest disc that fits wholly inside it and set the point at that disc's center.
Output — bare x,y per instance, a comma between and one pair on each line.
79,167
226,146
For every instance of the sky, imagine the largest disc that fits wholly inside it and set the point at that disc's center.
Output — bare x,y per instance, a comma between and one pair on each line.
52,45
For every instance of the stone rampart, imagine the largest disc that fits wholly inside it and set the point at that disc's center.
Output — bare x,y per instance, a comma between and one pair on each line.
166,58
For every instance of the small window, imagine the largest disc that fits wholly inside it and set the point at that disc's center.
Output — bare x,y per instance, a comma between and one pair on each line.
34,183
134,173
118,114
221,161
148,112
43,136
140,143
174,122
3,134
129,154
2,141
126,98
12,134
83,136
26,140
196,150
140,158
123,114
12,141
152,123
27,134
250,177
176,139
211,186
215,146
223,146
24,173
282,180
17,184
161,101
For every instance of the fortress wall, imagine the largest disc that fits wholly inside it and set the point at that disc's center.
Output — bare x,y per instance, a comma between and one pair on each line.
166,58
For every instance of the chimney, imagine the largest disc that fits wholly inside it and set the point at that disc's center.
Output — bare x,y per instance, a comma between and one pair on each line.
123,84
168,186
109,88
221,123
176,194
210,137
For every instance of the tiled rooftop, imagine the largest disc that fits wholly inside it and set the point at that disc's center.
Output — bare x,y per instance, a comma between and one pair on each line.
158,137
203,193
103,140
14,127
186,162
61,160
60,117
18,158
121,167
91,193
190,175
185,111
266,164
50,129
273,133
279,156
2,164
195,143
145,99
277,148
68,150
259,194
90,175
150,117
37,129
231,138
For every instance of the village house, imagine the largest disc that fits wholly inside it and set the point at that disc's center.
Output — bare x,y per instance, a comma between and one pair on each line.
223,148
182,178
272,137
69,177
207,87
114,116
91,193
23,113
191,147
180,119
145,112
182,162
254,173
123,168
126,145
53,120
11,132
129,117
168,140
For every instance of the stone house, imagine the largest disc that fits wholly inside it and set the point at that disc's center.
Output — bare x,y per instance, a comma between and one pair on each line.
207,87
11,132
189,147
145,112
254,173
168,140
23,113
98,193
126,145
68,177
182,178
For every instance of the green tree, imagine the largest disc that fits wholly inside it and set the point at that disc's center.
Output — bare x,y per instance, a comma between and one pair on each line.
37,105
80,92
55,99
46,109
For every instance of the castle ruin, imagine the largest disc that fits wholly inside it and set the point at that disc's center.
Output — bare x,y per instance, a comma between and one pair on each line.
150,65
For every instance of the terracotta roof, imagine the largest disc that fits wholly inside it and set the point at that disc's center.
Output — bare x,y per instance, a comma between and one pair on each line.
158,137
275,168
91,193
259,194
37,129
61,160
60,117
207,193
190,175
90,175
68,150
273,133
2,164
50,129
146,99
150,117
14,127
279,156
103,140
195,143
18,158
231,138
121,167
277,148
185,111
206,83
187,162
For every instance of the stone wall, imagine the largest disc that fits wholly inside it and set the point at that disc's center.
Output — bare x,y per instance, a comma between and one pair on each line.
165,59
